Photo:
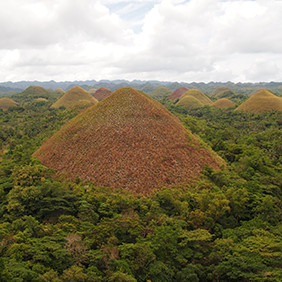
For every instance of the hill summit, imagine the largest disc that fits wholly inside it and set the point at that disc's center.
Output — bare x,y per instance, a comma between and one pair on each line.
223,103
6,103
262,101
76,96
128,141
178,93
205,100
222,92
102,93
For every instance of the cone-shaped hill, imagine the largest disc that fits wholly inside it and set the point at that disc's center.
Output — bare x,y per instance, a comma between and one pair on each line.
102,93
31,93
205,100
127,140
223,103
6,103
222,92
161,91
178,93
189,102
76,96
262,101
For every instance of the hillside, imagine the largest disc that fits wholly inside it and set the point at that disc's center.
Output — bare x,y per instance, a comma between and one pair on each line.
32,93
128,141
222,92
223,103
198,95
189,102
6,103
102,93
178,93
76,96
161,91
262,101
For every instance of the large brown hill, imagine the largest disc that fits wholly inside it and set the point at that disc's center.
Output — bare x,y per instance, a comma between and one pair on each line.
178,93
223,103
130,141
6,103
76,96
262,101
102,93
205,100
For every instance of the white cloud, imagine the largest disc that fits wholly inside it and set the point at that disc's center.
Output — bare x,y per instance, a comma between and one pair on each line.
196,40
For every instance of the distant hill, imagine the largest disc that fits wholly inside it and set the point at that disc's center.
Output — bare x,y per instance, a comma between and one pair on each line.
6,103
161,91
261,101
128,141
222,92
205,100
102,93
76,96
178,93
223,103
189,102
32,93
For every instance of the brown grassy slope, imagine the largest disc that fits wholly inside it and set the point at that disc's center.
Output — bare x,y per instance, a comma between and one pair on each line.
178,93
223,103
161,91
262,101
222,92
73,97
102,93
205,100
6,103
189,102
129,141
40,100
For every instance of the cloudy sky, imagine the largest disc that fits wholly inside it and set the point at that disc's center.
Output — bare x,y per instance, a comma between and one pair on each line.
172,40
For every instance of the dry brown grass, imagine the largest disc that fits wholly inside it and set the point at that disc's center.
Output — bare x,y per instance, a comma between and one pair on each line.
223,103
199,95
6,103
127,141
75,96
262,101
178,93
102,93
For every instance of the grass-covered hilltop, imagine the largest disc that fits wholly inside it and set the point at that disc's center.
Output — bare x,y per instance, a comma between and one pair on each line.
144,185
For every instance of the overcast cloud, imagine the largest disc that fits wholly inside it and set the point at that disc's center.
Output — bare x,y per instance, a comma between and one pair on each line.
174,40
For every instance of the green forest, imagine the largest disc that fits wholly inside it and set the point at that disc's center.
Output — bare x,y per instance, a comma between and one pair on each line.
226,226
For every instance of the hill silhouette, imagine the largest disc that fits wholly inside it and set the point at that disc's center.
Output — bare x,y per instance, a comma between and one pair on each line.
6,103
178,93
222,92
161,91
223,103
127,140
262,101
76,96
189,102
102,93
205,100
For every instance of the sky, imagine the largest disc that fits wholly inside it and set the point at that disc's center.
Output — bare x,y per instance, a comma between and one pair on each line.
169,40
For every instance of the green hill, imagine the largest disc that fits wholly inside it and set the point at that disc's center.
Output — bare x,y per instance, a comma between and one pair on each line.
223,103
205,100
161,91
189,102
222,92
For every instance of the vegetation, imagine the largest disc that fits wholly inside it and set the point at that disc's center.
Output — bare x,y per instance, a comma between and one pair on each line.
76,96
226,226
261,101
189,102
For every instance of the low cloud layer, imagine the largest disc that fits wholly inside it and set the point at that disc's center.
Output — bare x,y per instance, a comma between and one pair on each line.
196,40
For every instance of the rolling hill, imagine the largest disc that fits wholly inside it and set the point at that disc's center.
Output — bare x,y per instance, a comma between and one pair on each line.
189,102
262,101
178,93
205,100
101,93
76,96
223,103
6,103
161,91
128,141
222,92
